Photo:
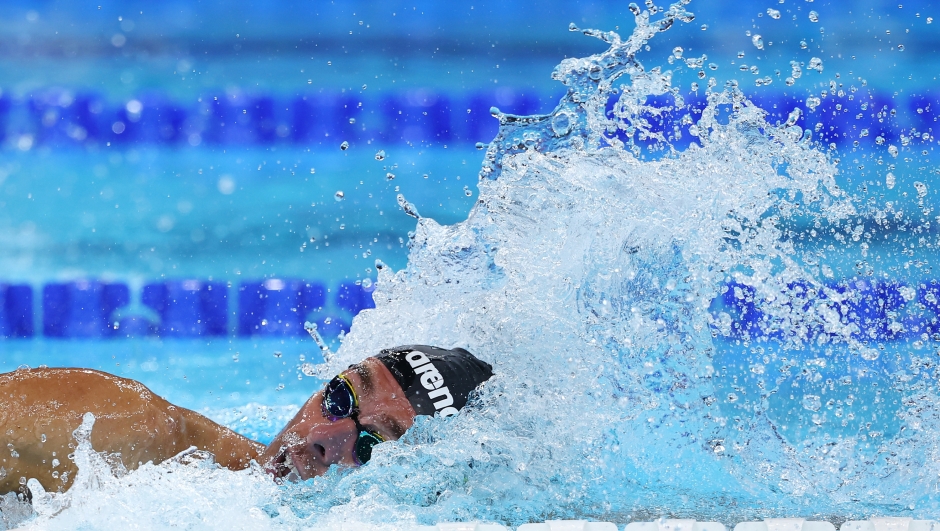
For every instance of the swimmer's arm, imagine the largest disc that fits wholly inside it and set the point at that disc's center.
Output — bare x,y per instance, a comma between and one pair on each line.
230,449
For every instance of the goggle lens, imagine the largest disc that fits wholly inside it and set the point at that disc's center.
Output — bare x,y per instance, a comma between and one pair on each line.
339,400
364,444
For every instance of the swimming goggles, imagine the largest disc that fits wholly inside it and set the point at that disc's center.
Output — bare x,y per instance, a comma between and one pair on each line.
340,402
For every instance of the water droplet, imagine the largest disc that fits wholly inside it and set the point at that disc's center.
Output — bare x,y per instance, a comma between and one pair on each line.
890,180
677,52
732,397
277,353
55,463
901,47
344,146
812,402
561,124
740,55
572,27
339,195
279,387
408,207
929,20
352,120
921,189
389,176
704,27
364,87
467,191
312,171
813,16
757,41
380,154
893,150
42,437
816,64
773,13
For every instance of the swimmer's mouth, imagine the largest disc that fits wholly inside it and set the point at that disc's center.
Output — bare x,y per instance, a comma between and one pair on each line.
283,467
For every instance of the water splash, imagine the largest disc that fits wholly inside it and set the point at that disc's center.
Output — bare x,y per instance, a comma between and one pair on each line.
606,272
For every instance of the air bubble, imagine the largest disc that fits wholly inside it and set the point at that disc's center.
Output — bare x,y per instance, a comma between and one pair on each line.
344,146
815,64
390,176
813,16
561,124
339,195
380,154
773,13
890,180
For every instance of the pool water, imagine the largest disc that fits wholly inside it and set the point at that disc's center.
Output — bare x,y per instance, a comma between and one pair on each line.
704,294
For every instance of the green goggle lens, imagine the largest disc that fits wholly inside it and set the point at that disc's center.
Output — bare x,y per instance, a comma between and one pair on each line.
364,444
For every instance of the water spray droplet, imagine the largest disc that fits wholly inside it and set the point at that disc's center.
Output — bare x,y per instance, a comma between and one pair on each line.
339,195
757,41
408,207
380,154
344,146
813,16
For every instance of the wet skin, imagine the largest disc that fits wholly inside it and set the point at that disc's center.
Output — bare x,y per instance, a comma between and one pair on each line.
40,408
311,442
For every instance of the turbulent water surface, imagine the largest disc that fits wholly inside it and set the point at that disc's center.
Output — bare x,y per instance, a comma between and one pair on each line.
605,272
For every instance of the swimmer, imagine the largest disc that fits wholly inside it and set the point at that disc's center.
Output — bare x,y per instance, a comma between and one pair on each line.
373,401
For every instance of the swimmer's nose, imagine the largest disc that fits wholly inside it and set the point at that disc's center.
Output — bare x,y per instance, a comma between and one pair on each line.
332,442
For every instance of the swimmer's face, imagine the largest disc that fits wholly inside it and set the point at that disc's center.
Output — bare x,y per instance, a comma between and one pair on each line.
311,442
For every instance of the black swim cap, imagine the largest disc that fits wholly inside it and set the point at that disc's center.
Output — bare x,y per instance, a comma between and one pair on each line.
435,379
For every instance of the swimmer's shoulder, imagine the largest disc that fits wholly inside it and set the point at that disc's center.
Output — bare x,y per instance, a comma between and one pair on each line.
72,380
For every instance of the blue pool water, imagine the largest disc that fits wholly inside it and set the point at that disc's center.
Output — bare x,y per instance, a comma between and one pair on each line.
707,292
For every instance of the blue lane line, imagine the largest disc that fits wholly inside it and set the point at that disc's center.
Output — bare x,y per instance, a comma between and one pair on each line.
92,309
60,118
875,310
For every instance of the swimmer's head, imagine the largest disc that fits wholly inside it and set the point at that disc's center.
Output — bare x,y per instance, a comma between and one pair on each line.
371,402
